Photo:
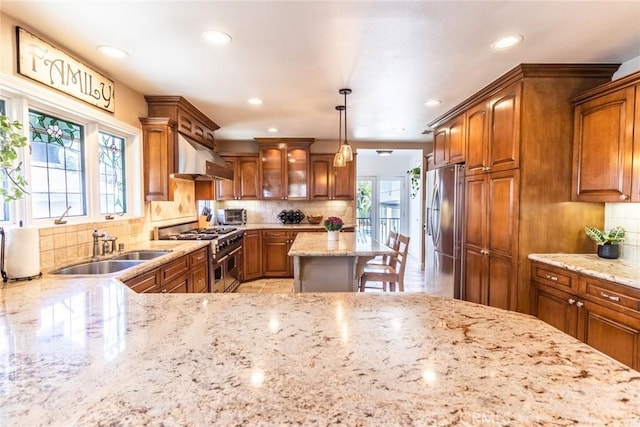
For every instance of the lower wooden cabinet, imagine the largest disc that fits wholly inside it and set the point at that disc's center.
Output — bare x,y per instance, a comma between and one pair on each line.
603,314
252,254
275,253
187,274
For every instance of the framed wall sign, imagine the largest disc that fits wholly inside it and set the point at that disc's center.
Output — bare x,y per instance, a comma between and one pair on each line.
52,67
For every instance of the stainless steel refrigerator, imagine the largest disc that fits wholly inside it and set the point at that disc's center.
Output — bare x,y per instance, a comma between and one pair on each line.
443,228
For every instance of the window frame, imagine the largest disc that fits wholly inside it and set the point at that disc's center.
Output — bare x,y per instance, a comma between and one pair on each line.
21,96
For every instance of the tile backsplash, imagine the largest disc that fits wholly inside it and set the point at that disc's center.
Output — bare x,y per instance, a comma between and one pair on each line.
266,212
628,216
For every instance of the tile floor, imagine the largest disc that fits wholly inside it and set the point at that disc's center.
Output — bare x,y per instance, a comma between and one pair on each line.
414,281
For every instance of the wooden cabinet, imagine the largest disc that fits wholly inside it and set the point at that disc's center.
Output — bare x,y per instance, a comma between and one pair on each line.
245,185
491,238
449,142
169,115
188,273
606,140
284,168
190,121
252,248
603,314
329,183
518,135
275,253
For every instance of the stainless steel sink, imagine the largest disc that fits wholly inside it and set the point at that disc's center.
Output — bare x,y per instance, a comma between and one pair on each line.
99,267
140,255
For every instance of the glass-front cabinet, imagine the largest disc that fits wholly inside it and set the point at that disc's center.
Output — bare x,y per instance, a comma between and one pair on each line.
284,168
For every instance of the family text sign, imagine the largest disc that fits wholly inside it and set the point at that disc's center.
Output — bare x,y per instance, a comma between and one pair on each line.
47,64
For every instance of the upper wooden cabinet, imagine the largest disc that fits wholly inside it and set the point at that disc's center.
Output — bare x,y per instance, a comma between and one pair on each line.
169,115
606,150
449,142
190,121
245,185
284,168
518,151
331,183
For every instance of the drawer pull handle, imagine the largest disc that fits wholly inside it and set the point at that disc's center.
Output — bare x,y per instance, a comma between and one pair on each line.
554,278
612,298
579,304
571,301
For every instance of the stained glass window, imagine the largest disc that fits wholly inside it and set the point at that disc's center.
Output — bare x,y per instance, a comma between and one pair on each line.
112,183
57,166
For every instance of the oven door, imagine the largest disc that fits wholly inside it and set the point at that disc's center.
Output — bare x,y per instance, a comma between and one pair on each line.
232,270
217,275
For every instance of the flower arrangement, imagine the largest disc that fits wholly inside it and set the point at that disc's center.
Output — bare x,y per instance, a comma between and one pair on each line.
333,223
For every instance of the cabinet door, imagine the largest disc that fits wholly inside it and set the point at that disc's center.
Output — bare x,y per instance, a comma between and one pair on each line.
321,179
502,212
440,147
344,187
158,142
297,167
275,258
198,282
247,180
556,308
476,212
252,250
611,332
146,282
477,139
475,281
179,285
456,140
272,174
225,190
603,148
500,281
504,132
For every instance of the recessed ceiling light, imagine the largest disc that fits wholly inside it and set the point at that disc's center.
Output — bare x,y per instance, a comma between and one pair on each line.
433,102
255,101
507,42
384,153
217,37
112,51
272,130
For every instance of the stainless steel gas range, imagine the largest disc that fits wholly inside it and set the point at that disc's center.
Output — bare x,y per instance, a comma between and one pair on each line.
225,272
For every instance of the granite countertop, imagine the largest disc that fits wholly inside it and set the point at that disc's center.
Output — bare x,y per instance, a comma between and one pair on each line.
89,351
615,270
349,244
293,227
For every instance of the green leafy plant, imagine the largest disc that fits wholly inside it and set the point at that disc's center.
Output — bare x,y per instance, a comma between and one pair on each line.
12,181
612,237
414,174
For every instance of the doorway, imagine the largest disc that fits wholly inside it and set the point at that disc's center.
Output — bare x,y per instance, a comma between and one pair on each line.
380,205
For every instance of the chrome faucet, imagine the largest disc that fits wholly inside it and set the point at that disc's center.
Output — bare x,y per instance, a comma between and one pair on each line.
108,244
96,244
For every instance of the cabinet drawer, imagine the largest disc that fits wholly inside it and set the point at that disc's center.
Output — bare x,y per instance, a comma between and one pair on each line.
275,234
555,277
146,282
180,285
175,269
198,257
199,280
610,294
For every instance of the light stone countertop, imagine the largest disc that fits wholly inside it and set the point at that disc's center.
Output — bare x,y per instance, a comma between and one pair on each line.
614,270
349,244
89,351
291,227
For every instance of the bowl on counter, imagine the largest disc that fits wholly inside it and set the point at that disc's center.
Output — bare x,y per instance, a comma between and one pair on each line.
314,219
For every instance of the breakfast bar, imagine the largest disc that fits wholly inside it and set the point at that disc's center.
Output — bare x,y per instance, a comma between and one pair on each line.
322,265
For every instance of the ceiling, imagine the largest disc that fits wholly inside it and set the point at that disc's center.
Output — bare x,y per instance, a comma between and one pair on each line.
394,55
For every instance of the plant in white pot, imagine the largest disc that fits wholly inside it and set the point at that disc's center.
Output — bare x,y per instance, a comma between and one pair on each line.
608,241
12,181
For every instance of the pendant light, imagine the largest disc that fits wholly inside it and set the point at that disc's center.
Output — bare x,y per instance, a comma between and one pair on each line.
345,149
338,159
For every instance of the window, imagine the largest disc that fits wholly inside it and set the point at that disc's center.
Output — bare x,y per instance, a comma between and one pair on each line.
57,166
4,207
112,171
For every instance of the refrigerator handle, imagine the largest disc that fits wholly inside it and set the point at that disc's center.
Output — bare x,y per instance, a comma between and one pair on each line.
428,222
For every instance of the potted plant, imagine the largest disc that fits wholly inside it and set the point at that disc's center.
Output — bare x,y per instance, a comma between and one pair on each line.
414,174
608,242
333,224
12,181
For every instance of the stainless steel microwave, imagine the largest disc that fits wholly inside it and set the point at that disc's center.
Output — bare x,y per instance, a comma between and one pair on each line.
232,216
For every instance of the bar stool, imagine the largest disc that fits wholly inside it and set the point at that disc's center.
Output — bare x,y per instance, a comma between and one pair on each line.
392,274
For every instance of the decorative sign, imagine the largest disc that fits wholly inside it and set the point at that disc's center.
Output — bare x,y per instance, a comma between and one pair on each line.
46,64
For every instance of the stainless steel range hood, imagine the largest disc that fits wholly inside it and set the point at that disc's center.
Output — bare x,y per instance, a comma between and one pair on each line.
200,163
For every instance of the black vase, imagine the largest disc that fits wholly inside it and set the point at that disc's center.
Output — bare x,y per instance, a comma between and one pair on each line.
609,251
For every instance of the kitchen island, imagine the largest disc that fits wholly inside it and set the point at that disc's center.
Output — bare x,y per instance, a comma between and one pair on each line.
89,351
320,265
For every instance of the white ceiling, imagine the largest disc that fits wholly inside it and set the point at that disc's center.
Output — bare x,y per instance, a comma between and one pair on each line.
394,55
